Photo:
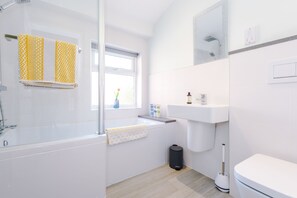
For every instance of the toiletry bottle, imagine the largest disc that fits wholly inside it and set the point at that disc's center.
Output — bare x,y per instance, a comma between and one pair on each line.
189,98
158,111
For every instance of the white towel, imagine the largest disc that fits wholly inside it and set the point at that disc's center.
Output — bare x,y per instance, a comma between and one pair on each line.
124,134
48,65
49,60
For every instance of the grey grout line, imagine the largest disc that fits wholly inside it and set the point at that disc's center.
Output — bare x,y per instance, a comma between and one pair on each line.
275,42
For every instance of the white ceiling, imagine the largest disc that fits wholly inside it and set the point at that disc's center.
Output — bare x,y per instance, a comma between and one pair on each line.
136,16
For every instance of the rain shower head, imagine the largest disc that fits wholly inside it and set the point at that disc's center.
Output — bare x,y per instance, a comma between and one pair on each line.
11,3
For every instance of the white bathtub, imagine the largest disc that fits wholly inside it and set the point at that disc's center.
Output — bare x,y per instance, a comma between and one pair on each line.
132,158
32,135
132,121
70,160
53,162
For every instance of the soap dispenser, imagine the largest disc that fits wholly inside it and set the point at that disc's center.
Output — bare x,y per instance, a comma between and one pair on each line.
189,98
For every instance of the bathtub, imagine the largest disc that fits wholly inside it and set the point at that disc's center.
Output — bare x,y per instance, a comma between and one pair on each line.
42,134
132,121
132,158
53,162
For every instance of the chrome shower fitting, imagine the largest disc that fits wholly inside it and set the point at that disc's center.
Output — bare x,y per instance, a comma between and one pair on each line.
3,88
11,3
211,38
2,121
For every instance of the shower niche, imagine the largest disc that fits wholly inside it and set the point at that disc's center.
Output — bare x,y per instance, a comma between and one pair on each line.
210,34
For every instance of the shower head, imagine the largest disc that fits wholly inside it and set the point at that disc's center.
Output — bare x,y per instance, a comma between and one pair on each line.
211,38
11,3
23,1
212,54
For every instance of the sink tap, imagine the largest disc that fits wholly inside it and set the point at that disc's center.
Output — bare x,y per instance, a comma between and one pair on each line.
202,99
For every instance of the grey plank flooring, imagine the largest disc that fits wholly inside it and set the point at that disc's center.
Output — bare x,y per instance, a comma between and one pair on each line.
165,182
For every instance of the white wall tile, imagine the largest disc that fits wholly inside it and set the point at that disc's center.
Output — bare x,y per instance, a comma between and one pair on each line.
31,106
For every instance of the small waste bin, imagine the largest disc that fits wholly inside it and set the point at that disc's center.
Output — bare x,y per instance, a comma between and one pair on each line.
176,157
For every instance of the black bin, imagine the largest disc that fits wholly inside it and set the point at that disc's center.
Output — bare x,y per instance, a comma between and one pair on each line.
176,157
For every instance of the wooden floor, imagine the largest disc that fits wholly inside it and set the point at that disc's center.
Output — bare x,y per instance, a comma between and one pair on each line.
165,182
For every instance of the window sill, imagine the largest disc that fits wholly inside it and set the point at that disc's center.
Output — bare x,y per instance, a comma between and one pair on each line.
113,109
122,108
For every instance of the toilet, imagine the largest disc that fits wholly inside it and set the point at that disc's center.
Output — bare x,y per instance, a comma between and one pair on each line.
261,176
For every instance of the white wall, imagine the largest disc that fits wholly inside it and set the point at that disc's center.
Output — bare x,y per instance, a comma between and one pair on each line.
31,106
124,40
275,20
172,43
171,87
173,75
263,117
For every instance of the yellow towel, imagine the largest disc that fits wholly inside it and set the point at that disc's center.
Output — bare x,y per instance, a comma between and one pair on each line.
65,62
36,69
31,57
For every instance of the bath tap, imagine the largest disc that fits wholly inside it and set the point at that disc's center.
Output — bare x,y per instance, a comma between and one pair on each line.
2,121
3,127
3,88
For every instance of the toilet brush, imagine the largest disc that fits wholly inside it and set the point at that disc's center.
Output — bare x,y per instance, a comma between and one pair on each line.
222,180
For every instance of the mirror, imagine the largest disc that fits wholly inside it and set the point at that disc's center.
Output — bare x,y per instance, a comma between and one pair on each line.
210,34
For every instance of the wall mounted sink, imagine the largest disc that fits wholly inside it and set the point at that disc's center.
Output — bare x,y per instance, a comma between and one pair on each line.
201,113
201,123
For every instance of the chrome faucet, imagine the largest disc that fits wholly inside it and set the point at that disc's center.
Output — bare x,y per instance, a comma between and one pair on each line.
202,99
2,120
3,88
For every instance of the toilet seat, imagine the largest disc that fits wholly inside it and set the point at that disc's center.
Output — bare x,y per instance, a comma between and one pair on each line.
269,176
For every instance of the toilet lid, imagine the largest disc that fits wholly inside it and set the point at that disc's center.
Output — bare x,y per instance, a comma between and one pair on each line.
271,176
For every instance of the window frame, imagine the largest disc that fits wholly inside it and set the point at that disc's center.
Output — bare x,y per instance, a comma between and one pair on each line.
122,53
94,68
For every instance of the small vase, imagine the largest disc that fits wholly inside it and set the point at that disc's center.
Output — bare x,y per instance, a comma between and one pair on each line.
116,104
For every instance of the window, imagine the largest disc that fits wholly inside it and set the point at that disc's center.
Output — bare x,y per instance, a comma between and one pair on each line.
120,73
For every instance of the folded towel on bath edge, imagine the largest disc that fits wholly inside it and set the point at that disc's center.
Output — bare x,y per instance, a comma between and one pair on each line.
124,134
46,62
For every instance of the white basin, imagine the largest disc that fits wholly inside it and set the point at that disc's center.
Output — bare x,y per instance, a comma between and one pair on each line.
201,123
201,113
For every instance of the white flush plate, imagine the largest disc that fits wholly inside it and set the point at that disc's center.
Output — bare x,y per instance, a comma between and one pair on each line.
283,71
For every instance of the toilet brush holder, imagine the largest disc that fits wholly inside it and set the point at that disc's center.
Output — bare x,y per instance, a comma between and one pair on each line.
222,180
222,183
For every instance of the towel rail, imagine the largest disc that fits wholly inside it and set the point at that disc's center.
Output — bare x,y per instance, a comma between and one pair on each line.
10,36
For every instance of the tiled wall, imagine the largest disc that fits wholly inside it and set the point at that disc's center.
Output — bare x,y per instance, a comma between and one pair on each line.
31,106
